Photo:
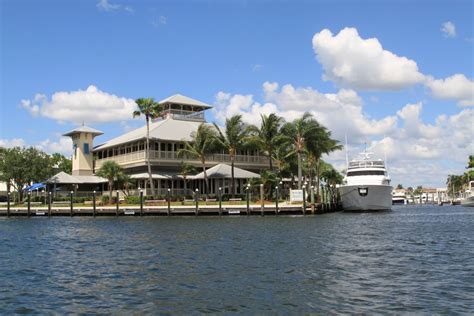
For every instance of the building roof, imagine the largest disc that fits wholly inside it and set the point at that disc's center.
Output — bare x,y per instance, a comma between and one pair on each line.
225,171
181,99
83,129
167,129
162,176
64,178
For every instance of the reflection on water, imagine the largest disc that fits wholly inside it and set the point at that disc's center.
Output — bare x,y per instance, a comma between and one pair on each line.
414,259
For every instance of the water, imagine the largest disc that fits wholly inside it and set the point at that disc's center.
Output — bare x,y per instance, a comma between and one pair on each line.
413,259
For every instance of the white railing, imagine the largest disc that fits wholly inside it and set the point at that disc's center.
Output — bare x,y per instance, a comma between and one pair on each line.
171,155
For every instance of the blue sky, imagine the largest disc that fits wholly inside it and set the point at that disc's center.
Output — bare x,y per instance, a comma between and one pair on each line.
223,53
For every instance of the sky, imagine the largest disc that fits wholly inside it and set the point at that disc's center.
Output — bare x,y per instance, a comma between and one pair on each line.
394,76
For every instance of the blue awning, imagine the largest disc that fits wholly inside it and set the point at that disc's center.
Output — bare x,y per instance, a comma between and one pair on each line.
35,186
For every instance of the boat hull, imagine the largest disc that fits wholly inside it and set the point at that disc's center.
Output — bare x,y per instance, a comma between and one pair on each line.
468,201
366,197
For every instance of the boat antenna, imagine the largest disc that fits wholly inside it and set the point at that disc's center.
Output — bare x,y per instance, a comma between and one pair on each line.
347,155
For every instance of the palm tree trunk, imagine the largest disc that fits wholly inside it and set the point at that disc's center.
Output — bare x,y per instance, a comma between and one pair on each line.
206,185
232,158
318,174
298,154
150,178
111,183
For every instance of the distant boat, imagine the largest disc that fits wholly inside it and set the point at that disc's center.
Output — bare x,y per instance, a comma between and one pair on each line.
366,185
468,196
399,198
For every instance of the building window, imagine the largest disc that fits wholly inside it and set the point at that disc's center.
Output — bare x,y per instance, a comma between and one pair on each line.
86,149
74,148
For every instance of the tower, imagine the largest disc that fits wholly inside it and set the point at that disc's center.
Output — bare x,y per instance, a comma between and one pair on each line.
82,145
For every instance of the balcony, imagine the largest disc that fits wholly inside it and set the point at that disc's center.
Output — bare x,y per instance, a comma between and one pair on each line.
171,157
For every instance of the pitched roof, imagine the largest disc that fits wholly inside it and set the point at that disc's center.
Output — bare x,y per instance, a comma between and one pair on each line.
167,129
83,129
181,99
64,178
225,171
162,176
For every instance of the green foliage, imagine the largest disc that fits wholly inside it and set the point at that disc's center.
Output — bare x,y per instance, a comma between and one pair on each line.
111,171
105,199
418,190
470,164
131,199
61,163
399,187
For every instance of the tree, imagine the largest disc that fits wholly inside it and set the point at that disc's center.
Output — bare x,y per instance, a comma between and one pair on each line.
399,187
269,180
470,164
283,156
22,166
232,140
151,110
203,143
61,163
331,175
301,131
111,171
319,144
124,181
185,170
268,136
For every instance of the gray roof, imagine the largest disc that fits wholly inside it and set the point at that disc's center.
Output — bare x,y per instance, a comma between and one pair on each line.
181,99
161,176
225,171
83,129
64,178
166,129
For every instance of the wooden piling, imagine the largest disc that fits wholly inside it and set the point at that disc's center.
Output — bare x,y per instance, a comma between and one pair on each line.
29,203
247,189
141,202
304,200
8,204
262,202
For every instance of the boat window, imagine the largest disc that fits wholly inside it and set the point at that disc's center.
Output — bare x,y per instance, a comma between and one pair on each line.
366,173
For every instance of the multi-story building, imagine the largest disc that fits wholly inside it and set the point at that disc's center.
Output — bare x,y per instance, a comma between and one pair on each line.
181,118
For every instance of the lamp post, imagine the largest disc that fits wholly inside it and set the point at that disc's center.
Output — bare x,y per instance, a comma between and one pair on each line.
262,202
29,203
8,204
71,210
169,202
312,199
49,203
276,200
247,192
220,201
93,203
196,200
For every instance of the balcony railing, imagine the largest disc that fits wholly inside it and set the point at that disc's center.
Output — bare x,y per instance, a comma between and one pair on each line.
171,155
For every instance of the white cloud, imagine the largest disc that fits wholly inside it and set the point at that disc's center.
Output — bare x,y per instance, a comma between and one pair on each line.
456,87
418,152
63,146
104,5
14,142
91,106
159,20
354,62
448,29
257,67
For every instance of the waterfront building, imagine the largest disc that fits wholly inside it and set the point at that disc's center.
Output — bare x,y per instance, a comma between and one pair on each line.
181,118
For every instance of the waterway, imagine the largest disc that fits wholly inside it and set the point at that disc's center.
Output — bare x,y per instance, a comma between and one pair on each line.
410,260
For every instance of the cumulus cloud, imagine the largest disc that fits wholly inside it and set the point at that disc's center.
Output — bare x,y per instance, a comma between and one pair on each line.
418,152
354,62
91,106
14,142
456,87
63,146
448,29
104,5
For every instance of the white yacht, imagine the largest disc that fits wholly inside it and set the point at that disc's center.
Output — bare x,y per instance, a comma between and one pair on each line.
468,196
366,185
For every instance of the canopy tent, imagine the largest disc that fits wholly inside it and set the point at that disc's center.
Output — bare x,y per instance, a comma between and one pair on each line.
223,171
35,186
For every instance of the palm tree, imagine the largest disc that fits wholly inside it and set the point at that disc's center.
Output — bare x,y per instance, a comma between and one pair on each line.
202,144
471,162
185,170
151,110
321,143
301,131
282,156
268,136
111,171
232,140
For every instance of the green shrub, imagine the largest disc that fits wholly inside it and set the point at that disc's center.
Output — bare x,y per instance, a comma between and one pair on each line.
105,199
132,199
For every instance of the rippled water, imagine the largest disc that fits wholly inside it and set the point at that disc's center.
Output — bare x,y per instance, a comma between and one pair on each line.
413,259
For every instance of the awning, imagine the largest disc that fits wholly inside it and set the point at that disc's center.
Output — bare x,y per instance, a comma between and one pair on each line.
35,186
223,171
